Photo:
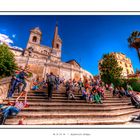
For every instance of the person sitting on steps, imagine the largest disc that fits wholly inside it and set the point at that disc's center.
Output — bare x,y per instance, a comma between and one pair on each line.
135,99
14,108
80,85
96,96
115,92
71,91
121,92
86,94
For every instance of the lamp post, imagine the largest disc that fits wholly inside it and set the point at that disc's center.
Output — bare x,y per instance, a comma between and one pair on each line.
30,50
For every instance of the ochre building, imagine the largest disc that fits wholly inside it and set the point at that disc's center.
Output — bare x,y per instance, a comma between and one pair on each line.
123,62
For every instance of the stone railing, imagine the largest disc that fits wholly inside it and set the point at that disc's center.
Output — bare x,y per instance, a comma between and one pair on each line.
4,87
23,60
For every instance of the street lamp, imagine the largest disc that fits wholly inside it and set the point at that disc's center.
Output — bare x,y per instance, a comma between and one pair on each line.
30,50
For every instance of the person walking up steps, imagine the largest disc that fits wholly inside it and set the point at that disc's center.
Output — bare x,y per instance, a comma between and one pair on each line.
51,80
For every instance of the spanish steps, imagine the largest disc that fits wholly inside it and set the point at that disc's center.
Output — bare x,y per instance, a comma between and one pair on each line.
60,111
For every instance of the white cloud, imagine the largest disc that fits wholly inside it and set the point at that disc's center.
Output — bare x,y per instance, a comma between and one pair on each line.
5,39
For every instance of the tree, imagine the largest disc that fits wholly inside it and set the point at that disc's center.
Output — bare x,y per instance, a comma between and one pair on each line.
110,70
134,42
7,61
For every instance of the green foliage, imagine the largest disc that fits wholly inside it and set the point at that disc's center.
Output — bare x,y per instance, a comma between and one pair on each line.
7,61
135,84
110,70
119,83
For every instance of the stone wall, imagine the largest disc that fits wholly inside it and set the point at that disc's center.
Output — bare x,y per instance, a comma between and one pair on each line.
42,66
4,86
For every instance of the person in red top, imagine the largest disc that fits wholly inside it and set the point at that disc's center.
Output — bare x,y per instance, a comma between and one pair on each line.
101,92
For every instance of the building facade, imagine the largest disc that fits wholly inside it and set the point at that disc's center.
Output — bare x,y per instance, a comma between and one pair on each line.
44,59
123,62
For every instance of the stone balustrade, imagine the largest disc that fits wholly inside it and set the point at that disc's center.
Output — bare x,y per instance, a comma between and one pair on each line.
4,86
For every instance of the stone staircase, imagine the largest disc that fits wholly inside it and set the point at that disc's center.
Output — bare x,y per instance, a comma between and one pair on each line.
60,111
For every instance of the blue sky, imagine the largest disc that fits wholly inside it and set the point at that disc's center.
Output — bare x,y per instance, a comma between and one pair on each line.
85,38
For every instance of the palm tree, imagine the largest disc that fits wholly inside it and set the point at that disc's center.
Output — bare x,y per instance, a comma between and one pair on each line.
134,42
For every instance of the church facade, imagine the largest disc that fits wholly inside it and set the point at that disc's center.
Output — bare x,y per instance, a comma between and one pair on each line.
43,59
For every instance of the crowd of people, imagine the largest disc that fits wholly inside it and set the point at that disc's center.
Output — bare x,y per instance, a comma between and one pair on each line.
89,89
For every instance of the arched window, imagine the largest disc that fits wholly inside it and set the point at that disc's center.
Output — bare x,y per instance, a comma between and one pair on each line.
57,46
34,39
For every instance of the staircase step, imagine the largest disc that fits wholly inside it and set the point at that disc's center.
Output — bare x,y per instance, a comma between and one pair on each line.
58,93
76,104
75,108
71,121
64,97
73,114
65,100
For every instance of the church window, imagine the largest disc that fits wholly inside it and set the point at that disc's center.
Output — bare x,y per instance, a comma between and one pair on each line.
57,46
34,39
